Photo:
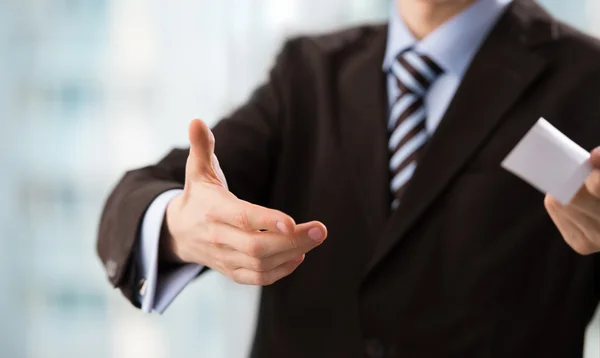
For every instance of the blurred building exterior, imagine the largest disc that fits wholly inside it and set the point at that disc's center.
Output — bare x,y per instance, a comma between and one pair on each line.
91,88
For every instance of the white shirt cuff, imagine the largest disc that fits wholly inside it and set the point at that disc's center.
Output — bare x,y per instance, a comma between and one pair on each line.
159,289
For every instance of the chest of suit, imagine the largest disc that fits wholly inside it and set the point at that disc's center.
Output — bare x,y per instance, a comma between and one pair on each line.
470,249
470,264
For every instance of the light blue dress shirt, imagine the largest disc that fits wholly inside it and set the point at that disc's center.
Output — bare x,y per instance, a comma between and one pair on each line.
452,46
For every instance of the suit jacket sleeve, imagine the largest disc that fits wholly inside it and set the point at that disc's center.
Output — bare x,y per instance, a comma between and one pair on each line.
247,145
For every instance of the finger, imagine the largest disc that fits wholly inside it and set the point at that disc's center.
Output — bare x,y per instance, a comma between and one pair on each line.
249,217
306,237
249,277
202,145
261,245
315,231
592,183
233,260
573,235
595,157
582,218
589,226
262,261
586,201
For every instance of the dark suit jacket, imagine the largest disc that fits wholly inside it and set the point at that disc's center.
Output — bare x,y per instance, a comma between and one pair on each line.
470,265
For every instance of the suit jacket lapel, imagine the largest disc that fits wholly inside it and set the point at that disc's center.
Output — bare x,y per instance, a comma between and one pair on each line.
501,71
362,108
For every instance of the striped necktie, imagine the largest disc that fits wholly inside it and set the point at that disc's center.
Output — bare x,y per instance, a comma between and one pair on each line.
414,74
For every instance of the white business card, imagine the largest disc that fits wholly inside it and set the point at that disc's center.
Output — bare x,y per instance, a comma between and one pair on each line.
549,161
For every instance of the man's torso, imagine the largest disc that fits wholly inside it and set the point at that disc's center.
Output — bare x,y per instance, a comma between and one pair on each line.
470,265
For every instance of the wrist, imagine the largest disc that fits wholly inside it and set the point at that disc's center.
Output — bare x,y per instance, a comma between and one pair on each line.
167,243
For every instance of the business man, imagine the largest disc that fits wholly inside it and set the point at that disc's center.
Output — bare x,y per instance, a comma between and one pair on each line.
391,137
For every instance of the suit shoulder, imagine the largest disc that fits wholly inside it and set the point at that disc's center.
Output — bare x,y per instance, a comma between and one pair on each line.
579,45
563,45
578,38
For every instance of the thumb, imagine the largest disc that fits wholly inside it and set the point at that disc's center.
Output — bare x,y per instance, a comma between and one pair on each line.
315,230
595,157
202,147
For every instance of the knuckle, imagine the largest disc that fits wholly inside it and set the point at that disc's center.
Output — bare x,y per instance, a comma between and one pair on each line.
211,235
594,184
207,216
258,265
581,245
285,217
241,220
595,244
254,249
292,268
261,279
595,203
272,215
235,276
549,203
294,241
594,188
220,267
221,259
186,256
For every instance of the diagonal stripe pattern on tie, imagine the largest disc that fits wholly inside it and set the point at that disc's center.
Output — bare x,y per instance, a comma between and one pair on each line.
414,74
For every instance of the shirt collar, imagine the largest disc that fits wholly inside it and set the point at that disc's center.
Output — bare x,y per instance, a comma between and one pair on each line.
453,44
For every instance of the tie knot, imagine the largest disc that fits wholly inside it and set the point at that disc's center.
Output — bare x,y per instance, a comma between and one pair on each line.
414,72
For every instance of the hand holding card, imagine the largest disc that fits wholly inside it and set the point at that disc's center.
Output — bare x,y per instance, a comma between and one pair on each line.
551,162
570,177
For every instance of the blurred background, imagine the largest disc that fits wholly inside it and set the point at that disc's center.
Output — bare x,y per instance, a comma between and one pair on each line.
91,88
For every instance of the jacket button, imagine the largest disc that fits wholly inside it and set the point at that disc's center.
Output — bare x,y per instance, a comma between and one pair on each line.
374,348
